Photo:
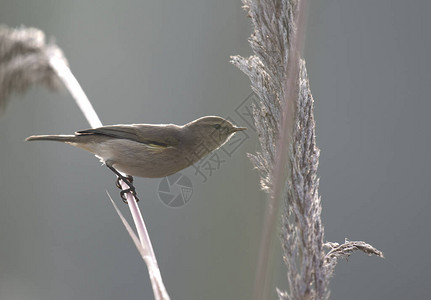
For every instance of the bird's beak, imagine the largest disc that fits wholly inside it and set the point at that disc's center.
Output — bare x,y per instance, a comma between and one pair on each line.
239,129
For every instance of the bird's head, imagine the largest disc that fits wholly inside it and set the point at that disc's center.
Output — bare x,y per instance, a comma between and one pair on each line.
212,131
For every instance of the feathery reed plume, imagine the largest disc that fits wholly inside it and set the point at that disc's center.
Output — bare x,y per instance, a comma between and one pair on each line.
279,77
24,61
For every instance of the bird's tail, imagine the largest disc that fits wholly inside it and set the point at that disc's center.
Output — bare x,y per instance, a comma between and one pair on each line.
58,138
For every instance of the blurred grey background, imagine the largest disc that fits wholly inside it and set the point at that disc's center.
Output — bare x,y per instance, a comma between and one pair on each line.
167,62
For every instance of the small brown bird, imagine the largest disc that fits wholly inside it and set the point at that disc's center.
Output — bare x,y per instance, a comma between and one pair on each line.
147,150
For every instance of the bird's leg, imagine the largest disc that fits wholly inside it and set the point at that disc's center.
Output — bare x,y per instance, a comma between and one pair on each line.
127,180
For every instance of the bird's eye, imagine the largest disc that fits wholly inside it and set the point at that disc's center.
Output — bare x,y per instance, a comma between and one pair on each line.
217,126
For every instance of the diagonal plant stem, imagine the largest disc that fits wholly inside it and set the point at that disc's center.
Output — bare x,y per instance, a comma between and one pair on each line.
25,59
288,99
280,171
160,292
75,89
87,109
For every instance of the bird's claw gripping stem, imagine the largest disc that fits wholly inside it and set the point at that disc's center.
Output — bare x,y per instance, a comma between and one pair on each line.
127,180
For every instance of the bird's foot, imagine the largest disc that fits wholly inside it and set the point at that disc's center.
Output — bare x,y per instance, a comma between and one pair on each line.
129,190
127,180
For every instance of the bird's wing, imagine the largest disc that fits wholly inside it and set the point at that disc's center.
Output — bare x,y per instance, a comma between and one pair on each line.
153,135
